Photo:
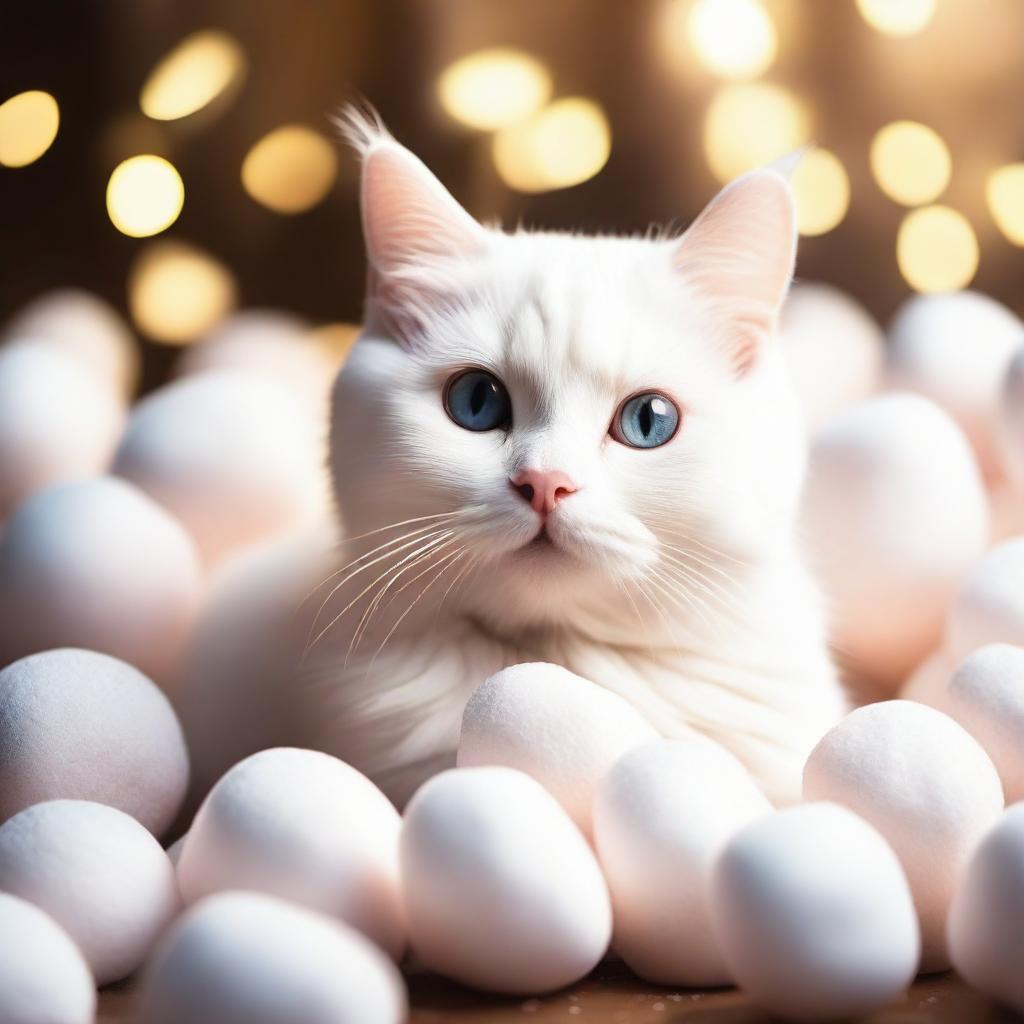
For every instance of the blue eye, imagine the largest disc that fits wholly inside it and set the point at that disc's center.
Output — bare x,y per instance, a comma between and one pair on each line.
477,400
646,421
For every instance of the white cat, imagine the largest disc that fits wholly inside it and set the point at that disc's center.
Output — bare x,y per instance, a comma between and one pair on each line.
548,447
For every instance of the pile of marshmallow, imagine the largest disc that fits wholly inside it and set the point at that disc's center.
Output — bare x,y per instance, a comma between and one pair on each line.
150,562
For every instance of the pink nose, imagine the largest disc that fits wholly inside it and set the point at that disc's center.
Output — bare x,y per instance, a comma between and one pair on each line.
543,489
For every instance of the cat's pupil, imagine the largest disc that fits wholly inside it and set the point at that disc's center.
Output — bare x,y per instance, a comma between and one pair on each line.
646,418
646,421
477,400
479,396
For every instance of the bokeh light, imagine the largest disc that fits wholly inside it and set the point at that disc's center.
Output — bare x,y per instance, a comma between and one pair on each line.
291,169
732,38
910,162
177,292
566,143
897,17
192,75
936,249
145,194
494,88
1005,194
28,126
748,126
822,189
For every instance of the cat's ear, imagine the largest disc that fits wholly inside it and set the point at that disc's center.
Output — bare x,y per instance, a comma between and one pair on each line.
739,255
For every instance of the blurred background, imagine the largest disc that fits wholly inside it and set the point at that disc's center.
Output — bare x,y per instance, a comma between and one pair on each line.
178,158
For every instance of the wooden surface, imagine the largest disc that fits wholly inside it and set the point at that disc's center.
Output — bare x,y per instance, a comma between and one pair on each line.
614,996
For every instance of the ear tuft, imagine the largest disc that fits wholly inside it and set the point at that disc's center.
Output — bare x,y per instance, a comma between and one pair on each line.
739,254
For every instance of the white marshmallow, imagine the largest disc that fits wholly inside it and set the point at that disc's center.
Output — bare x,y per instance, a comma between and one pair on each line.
85,327
304,826
834,348
502,890
814,915
985,919
661,817
43,978
82,725
986,696
895,512
58,421
97,564
234,456
989,606
554,725
926,784
98,873
954,348
246,958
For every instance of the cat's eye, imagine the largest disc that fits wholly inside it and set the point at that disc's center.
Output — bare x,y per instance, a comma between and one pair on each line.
477,400
646,421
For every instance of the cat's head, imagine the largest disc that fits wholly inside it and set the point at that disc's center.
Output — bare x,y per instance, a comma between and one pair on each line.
583,428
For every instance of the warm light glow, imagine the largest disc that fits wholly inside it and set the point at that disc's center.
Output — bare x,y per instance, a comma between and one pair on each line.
1005,192
176,292
192,75
144,196
28,126
822,191
565,144
910,162
336,338
936,249
897,17
748,126
494,88
291,169
734,38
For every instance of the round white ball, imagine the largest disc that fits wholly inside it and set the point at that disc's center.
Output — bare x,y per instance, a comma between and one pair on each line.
97,564
43,977
85,327
954,347
986,696
246,958
57,422
661,817
989,606
554,725
834,348
926,784
304,826
98,873
502,891
82,725
233,455
814,915
896,513
985,919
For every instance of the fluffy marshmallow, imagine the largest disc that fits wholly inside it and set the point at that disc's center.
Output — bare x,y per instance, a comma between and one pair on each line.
304,826
989,606
895,512
926,784
82,725
954,347
98,873
43,977
834,348
235,456
57,421
97,564
661,817
813,913
985,919
502,891
550,723
986,696
245,957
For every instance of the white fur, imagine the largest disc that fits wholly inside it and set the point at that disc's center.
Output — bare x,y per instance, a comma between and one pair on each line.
675,578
